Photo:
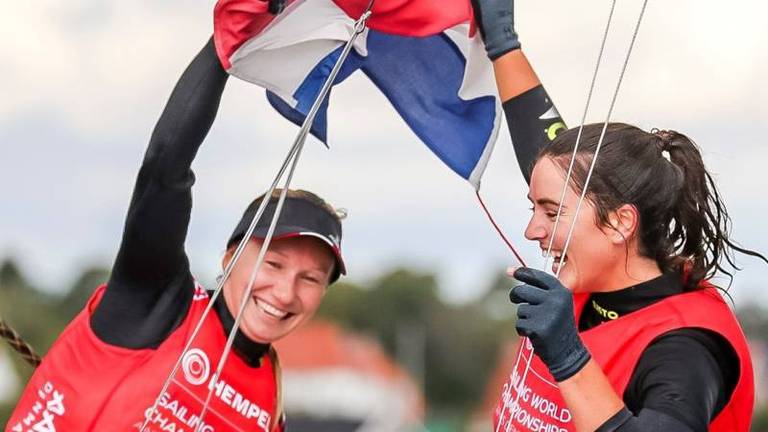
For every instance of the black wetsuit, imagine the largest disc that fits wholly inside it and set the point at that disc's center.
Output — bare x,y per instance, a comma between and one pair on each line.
685,377
687,374
151,287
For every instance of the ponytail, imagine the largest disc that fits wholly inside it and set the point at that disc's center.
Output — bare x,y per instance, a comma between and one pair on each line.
684,225
700,226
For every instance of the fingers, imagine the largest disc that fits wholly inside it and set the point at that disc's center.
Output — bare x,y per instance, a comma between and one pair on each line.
524,311
536,278
522,329
527,294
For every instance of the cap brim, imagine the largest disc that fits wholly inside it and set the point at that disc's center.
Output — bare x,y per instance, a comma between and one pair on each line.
283,232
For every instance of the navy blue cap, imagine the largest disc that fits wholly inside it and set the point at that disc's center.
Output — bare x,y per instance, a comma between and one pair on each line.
299,217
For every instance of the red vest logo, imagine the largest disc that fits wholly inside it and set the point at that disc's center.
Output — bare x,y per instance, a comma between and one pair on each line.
196,366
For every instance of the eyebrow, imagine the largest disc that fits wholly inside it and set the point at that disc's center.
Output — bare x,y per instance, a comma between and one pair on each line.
546,201
320,269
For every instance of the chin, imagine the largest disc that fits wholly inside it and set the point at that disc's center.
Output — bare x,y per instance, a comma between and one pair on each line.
570,281
268,333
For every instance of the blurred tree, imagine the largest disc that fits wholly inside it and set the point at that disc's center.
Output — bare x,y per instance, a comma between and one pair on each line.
760,420
28,310
10,275
754,320
39,317
450,349
80,291
495,302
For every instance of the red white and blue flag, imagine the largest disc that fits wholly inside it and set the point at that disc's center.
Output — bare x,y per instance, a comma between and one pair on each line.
422,54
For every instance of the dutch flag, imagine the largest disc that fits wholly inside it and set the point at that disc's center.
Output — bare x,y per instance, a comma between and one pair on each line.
422,54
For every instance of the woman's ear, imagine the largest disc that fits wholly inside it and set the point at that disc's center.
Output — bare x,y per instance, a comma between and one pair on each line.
624,221
227,257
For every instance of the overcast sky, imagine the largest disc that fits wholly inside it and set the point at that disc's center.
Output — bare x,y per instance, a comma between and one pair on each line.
82,83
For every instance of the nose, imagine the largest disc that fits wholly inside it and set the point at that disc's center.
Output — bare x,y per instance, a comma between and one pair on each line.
535,229
284,289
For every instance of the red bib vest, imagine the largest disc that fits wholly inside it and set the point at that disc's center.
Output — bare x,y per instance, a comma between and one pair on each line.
85,384
532,401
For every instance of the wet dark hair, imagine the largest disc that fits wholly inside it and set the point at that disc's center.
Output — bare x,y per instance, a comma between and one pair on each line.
684,224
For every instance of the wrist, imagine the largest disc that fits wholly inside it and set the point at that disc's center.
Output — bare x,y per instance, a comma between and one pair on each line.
499,49
573,362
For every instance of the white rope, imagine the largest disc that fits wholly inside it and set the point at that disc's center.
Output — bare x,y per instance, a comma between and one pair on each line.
300,140
578,137
600,140
220,284
562,198
292,159
251,280
521,382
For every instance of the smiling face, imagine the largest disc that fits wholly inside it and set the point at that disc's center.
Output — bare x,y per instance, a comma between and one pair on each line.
288,288
596,258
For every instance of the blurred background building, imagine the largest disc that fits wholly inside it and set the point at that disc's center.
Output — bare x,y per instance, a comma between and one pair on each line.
339,381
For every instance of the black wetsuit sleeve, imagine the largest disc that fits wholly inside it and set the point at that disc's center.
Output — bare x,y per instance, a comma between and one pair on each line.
681,382
151,287
533,123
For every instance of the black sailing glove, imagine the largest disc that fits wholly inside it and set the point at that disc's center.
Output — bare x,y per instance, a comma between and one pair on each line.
545,316
496,21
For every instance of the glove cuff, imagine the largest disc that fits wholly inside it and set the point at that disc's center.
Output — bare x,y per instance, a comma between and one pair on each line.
571,364
498,49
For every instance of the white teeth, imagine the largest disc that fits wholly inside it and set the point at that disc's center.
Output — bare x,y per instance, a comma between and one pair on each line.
556,266
271,310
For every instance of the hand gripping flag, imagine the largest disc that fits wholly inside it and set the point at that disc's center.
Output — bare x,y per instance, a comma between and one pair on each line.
419,53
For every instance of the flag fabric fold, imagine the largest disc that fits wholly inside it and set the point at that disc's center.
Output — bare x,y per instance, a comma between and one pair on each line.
418,53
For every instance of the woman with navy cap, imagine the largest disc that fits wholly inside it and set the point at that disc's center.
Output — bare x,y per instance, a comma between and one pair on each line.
108,366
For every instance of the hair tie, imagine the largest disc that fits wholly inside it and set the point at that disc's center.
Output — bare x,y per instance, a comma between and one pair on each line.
665,142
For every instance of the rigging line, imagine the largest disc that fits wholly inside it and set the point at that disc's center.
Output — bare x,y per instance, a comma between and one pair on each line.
602,137
498,229
547,256
565,185
220,284
359,27
592,165
241,246
247,294
18,344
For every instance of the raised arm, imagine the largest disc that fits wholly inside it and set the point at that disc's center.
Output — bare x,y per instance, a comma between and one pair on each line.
151,285
532,118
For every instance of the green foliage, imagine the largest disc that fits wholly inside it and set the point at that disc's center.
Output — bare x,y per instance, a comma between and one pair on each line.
71,304
754,321
38,317
28,310
760,421
451,349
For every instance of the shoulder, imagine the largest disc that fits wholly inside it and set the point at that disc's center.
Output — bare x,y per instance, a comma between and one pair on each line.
694,347
687,373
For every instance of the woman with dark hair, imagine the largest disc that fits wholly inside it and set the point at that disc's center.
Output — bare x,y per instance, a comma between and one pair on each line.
633,336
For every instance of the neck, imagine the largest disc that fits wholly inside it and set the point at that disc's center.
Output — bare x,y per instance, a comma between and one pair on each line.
632,271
